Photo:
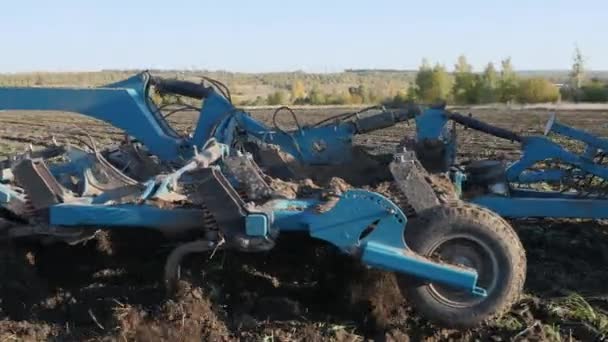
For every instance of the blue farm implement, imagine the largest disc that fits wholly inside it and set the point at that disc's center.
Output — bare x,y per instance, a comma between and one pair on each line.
459,263
558,178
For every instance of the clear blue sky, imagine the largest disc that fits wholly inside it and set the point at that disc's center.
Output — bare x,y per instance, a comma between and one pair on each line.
311,35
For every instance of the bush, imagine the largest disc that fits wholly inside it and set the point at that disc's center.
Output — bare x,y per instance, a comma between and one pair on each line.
537,90
276,98
400,100
316,97
569,93
595,92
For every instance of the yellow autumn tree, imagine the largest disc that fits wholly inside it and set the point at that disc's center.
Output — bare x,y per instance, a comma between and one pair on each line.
298,90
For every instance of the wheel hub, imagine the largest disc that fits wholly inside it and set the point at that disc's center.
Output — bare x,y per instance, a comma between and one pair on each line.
470,252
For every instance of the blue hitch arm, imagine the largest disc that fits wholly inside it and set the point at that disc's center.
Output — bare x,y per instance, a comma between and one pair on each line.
347,225
123,105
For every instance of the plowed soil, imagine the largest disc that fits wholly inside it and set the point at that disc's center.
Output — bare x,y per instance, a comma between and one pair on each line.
110,288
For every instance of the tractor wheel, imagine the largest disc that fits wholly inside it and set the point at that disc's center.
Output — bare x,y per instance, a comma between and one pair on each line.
475,237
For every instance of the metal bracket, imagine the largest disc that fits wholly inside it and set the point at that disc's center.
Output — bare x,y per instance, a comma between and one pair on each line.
410,177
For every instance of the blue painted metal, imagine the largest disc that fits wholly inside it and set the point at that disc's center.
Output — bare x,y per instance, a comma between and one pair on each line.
125,216
361,223
214,114
7,195
432,124
580,135
537,149
126,108
528,203
257,225
291,215
125,105
395,259
150,188
368,224
323,145
343,226
320,145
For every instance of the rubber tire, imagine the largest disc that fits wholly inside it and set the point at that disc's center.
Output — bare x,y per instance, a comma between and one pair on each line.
437,223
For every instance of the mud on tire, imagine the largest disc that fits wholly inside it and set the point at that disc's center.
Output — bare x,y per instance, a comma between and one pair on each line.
466,234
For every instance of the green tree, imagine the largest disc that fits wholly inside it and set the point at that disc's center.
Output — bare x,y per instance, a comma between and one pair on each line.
411,92
466,83
508,83
537,90
433,85
488,85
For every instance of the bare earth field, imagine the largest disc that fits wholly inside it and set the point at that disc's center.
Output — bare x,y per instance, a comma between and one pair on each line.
110,289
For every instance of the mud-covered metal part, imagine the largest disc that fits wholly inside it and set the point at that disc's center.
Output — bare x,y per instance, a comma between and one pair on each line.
229,212
172,265
46,153
135,162
102,176
41,187
433,154
49,234
488,176
411,178
246,172
222,201
274,161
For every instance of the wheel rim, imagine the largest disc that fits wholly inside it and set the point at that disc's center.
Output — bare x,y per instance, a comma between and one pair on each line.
469,251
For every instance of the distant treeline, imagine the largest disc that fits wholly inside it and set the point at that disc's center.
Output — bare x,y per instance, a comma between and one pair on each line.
428,84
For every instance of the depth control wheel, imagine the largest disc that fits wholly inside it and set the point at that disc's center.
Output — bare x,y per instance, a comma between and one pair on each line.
466,235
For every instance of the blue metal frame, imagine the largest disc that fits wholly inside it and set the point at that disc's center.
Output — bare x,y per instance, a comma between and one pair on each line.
322,145
343,226
125,105
384,247
432,124
541,204
361,223
125,216
537,149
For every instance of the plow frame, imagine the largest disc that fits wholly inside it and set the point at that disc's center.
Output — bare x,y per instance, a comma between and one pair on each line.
519,202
